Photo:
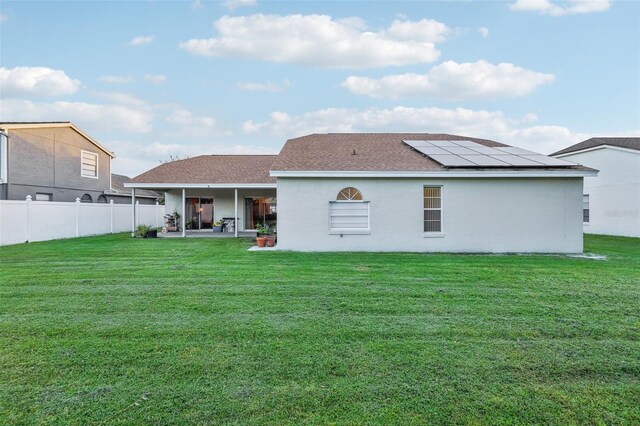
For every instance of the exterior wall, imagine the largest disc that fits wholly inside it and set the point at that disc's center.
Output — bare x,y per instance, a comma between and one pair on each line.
479,215
614,196
48,160
126,199
223,201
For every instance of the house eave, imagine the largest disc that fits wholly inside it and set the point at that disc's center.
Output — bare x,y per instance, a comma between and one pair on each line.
17,126
595,148
198,185
435,174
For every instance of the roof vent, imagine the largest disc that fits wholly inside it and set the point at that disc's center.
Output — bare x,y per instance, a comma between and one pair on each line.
354,152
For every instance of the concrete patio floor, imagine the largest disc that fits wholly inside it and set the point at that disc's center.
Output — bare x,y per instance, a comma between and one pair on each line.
207,234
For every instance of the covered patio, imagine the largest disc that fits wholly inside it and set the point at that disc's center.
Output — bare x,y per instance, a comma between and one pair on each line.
205,192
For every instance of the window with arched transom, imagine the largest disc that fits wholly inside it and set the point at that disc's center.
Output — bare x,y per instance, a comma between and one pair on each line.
349,213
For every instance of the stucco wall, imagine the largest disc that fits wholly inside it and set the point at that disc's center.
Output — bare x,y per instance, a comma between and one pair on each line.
48,160
479,215
614,195
223,201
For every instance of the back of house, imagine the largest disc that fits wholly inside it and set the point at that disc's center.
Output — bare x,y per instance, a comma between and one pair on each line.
385,192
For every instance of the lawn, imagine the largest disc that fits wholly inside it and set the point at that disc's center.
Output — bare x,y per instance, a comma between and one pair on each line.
110,330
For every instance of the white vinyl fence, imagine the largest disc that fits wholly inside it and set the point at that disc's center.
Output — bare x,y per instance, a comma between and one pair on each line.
22,221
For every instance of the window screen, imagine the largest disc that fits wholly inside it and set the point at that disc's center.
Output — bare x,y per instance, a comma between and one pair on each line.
585,208
432,209
89,164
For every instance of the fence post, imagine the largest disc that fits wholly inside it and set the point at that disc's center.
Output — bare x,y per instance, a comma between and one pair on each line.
77,217
28,199
138,211
156,215
111,216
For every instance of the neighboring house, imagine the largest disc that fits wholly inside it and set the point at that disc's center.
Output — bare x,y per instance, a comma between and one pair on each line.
385,192
56,161
121,195
612,199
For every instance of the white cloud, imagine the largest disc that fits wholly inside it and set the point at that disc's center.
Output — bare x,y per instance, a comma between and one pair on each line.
473,123
451,80
264,87
234,4
133,158
117,79
155,78
141,40
426,30
122,98
321,41
570,7
187,124
39,81
484,31
197,5
95,117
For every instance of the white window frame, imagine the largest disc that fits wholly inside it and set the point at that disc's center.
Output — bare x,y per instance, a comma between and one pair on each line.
433,234
350,231
588,208
82,153
49,194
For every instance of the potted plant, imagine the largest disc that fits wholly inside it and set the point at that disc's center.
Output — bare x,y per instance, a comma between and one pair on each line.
152,233
272,236
263,231
142,231
217,226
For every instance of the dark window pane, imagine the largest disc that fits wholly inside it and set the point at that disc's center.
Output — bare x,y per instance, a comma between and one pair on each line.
432,226
432,215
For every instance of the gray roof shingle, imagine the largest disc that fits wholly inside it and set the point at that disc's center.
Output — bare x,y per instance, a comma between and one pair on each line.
621,142
220,169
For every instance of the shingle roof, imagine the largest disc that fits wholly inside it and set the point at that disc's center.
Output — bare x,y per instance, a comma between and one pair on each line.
117,187
220,169
622,142
373,152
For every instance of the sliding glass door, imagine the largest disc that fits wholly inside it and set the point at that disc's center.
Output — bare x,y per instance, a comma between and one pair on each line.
259,211
199,213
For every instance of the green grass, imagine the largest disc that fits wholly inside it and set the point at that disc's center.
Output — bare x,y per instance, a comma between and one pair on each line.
110,330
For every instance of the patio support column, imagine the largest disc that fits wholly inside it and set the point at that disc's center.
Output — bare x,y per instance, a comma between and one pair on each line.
236,221
184,211
133,212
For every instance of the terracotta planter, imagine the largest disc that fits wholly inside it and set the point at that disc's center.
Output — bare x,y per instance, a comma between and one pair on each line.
271,241
261,241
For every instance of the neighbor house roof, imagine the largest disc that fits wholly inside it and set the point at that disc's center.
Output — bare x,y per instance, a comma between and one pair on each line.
620,142
118,188
212,169
379,152
9,125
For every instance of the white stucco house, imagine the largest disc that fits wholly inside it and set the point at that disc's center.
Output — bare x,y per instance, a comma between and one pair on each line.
384,192
612,199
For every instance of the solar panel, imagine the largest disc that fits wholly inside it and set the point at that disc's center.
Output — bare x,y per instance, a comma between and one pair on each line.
465,153
451,160
443,143
430,150
460,150
485,160
548,161
514,150
514,160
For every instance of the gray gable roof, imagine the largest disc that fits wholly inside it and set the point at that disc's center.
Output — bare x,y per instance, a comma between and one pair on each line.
621,142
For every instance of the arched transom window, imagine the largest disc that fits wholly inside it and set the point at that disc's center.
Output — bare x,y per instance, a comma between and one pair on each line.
349,214
349,194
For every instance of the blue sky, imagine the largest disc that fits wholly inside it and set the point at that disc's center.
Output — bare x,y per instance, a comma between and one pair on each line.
155,79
